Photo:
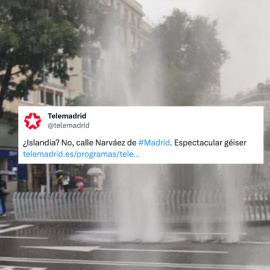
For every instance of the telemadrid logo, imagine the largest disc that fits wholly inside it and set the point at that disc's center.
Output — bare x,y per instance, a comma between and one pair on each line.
32,121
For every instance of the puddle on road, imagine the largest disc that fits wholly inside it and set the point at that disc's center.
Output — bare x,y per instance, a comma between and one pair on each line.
113,236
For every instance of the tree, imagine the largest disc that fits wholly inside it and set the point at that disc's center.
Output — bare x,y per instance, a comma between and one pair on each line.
190,56
82,100
42,35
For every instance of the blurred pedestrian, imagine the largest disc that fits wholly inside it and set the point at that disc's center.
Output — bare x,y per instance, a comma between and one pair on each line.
3,193
65,180
80,186
60,184
43,182
99,182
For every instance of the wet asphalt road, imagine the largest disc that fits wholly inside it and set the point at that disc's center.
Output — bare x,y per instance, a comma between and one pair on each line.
73,246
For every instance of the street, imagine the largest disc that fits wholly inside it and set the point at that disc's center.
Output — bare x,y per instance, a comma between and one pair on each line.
81,246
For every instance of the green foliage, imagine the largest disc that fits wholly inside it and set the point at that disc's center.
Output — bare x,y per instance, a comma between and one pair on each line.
191,57
82,100
42,33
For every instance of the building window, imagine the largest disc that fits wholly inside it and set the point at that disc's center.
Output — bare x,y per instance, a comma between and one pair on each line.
28,97
58,99
93,66
49,98
53,98
41,97
85,85
85,65
94,89
134,37
139,23
133,18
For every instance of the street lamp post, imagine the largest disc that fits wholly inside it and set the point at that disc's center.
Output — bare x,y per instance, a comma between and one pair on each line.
48,186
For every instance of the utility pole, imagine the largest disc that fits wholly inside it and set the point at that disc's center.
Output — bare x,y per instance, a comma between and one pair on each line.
48,185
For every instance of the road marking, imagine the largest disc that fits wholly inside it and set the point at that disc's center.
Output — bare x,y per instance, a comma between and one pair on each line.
83,249
100,232
136,264
4,225
204,233
10,267
15,228
181,233
168,250
23,237
254,243
91,248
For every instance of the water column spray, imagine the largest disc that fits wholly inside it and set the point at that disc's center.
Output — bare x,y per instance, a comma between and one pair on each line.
137,186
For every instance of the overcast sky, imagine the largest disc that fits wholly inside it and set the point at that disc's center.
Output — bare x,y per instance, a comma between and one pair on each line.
243,27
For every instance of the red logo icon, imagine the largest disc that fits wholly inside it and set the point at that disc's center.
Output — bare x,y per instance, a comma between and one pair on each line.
32,121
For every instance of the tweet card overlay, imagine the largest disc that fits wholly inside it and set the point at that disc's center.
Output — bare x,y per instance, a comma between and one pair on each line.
141,135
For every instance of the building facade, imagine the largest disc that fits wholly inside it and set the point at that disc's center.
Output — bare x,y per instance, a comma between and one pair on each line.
259,97
86,80
90,74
